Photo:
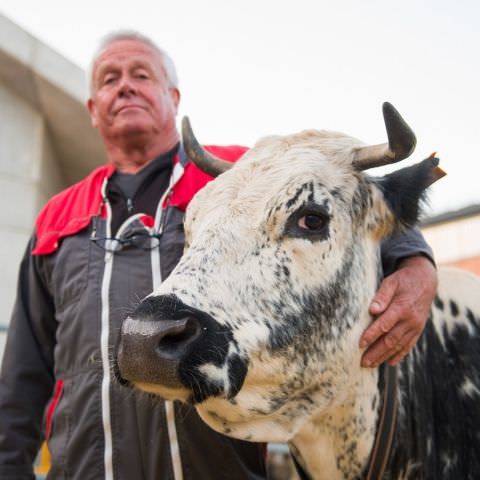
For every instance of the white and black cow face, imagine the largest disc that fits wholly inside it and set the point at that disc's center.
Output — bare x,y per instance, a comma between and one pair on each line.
261,318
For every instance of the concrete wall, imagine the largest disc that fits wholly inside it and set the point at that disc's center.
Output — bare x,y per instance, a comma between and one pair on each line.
46,142
29,174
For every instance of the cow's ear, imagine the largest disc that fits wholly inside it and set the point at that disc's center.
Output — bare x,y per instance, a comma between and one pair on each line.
404,189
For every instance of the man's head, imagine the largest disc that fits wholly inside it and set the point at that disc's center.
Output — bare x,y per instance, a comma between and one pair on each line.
133,93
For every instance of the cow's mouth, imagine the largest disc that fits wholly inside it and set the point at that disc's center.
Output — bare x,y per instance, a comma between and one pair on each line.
181,394
234,419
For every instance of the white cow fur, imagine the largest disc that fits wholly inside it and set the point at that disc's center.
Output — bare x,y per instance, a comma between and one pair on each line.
234,211
245,268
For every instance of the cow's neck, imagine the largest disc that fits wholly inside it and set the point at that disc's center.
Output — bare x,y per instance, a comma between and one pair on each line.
336,444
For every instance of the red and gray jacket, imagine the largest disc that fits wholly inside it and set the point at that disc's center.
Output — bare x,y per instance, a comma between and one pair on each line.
57,382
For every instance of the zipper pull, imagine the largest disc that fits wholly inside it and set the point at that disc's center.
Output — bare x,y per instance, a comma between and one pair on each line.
129,205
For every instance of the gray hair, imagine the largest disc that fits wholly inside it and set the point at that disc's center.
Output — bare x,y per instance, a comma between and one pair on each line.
125,34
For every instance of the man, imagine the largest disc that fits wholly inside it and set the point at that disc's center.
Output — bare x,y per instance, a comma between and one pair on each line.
98,248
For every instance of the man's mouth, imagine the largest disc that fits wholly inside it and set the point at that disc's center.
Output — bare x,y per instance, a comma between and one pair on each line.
129,108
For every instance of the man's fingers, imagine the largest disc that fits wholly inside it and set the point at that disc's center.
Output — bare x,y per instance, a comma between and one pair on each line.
395,359
401,307
378,327
400,355
377,353
384,295
390,346
379,304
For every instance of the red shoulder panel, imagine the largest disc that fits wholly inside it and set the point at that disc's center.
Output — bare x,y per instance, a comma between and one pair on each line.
194,179
70,211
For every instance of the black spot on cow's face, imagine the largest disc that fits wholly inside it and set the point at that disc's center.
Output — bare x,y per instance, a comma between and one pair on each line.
361,202
237,370
294,199
438,302
453,308
471,318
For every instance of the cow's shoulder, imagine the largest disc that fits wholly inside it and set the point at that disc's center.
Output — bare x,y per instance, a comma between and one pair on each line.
457,303
440,385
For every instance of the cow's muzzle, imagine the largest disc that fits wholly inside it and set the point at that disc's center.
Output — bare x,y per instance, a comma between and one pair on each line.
150,351
177,351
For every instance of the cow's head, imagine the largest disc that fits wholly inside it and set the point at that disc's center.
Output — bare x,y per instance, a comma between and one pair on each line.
259,322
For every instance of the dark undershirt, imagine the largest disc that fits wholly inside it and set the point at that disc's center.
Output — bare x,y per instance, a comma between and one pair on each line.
139,192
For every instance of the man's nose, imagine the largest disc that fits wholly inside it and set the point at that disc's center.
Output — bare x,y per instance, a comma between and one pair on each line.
126,87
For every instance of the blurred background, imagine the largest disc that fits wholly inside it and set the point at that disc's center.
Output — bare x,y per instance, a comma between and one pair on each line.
247,69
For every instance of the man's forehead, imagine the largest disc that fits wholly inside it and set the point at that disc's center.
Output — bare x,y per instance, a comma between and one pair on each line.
132,51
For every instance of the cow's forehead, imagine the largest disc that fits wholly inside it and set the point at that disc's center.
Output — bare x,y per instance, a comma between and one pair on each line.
310,151
265,172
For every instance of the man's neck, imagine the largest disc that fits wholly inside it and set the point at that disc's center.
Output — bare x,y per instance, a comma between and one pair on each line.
130,158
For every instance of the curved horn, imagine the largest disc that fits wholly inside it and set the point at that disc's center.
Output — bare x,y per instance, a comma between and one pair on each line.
204,160
401,143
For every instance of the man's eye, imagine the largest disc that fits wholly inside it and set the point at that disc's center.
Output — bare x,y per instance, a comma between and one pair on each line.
312,222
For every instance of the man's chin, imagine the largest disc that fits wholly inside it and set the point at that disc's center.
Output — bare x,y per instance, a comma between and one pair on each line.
132,134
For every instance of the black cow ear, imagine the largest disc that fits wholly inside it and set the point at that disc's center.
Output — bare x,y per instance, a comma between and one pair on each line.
404,189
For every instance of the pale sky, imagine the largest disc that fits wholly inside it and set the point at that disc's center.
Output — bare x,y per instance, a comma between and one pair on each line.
251,68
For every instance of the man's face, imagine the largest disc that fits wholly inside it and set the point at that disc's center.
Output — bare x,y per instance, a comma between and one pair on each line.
131,97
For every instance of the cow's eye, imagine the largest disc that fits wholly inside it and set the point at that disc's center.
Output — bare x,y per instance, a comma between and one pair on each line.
312,222
309,221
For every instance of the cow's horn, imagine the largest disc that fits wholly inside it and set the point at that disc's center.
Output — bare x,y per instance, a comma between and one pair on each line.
401,143
204,160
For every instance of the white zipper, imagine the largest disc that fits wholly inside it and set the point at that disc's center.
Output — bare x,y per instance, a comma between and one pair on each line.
104,337
105,333
156,281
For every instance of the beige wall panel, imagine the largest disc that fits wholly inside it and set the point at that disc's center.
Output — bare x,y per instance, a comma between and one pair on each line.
12,246
20,137
454,240
3,338
21,200
51,178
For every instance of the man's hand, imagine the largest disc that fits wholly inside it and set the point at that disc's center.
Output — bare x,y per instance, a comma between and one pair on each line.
401,306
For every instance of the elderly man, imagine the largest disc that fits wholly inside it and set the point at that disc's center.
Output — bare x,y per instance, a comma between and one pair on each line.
99,247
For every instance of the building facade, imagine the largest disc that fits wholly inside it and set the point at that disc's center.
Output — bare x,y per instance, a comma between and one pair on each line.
46,142
455,238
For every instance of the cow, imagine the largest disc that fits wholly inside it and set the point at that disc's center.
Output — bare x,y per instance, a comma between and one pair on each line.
258,325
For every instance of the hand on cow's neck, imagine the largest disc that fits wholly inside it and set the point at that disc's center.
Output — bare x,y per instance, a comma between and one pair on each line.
131,154
336,444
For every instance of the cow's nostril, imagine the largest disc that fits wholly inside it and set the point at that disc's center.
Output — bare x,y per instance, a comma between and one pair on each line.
176,337
150,351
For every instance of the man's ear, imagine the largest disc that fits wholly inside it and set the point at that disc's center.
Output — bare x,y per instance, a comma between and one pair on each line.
405,190
92,108
175,96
